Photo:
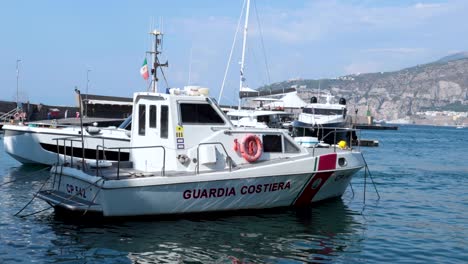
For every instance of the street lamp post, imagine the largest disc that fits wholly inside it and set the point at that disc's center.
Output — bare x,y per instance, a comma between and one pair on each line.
87,86
17,82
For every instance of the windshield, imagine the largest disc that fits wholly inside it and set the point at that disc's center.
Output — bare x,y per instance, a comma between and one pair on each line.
127,123
318,111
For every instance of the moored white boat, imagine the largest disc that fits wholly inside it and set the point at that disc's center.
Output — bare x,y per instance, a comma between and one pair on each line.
260,118
326,121
36,143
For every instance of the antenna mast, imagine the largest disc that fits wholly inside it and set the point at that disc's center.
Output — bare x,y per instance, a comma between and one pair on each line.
155,52
242,78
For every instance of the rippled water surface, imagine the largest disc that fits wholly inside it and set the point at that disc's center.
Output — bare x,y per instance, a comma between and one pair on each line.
421,174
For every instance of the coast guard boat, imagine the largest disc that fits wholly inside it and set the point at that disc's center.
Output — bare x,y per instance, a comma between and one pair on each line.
187,157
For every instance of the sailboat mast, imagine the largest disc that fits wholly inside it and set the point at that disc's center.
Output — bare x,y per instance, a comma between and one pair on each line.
242,78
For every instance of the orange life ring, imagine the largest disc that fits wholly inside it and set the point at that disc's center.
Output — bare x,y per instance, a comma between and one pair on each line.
251,148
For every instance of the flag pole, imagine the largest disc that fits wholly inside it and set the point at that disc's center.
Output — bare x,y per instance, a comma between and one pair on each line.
155,52
81,126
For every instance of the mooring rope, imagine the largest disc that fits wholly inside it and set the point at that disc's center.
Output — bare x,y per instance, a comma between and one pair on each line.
366,171
8,182
95,196
352,189
34,197
50,206
37,212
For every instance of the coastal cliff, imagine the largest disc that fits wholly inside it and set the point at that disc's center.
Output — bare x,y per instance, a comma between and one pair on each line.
441,85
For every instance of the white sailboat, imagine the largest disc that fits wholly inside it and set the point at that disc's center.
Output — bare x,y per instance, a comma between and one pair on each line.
257,118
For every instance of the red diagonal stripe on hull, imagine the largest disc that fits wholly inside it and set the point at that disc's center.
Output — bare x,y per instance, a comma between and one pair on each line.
326,162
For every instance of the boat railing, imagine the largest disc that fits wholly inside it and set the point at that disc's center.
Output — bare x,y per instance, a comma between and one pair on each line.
71,140
229,160
335,131
119,150
254,131
321,130
6,117
65,140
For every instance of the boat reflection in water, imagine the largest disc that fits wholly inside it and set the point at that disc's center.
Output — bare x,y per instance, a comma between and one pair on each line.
324,232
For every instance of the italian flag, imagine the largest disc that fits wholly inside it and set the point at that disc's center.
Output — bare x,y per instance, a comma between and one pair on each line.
144,70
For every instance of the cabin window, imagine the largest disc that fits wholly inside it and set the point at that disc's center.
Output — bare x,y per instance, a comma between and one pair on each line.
318,111
265,119
152,117
164,121
141,119
290,147
199,114
272,143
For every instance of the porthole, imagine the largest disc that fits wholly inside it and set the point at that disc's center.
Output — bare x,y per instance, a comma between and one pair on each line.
342,162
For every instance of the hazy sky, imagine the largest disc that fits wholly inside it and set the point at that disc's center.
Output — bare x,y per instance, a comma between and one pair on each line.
58,41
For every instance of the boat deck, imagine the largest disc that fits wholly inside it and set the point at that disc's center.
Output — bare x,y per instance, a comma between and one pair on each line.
73,203
127,172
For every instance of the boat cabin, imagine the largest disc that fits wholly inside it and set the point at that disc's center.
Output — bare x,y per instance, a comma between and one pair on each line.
186,133
325,110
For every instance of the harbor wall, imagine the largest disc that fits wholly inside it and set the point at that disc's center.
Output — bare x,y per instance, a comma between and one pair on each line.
39,111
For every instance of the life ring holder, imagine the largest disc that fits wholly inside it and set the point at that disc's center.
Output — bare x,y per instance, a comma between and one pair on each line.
251,148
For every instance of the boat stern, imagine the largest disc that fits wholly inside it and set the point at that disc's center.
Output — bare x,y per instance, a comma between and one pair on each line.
73,190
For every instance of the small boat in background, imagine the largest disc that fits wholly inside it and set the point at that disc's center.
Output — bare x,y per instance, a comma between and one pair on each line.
260,118
37,143
328,122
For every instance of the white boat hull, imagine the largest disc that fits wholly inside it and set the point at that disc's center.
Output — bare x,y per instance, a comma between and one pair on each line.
211,192
32,145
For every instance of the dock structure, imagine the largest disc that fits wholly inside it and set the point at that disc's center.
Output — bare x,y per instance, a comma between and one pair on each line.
366,142
375,127
93,105
368,122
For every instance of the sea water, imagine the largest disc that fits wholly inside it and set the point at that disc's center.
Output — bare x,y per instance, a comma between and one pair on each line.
421,174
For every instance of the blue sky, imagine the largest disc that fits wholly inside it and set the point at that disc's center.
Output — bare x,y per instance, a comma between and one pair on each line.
58,41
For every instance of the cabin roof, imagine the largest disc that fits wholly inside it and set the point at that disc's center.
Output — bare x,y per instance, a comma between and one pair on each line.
255,113
326,106
105,98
